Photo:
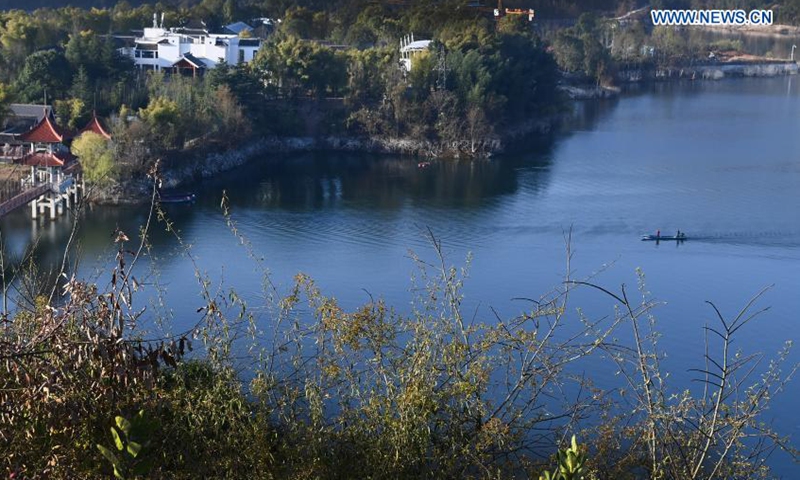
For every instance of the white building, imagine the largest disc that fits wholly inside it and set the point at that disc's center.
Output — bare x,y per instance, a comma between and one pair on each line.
409,48
189,51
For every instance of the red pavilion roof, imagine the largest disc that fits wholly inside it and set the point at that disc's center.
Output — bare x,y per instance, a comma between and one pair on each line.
45,132
94,126
46,159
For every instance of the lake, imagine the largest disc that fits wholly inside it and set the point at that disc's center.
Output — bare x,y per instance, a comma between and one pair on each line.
717,160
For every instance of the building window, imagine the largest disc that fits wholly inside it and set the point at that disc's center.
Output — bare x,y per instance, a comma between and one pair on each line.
241,55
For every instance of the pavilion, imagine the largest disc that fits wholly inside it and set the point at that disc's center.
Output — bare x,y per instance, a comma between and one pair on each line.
51,164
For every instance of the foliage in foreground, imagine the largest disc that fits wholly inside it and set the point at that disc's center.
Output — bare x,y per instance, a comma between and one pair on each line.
330,393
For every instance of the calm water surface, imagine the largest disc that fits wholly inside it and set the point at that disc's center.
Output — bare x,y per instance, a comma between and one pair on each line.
716,160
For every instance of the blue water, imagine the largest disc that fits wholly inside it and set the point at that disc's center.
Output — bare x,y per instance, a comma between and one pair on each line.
717,160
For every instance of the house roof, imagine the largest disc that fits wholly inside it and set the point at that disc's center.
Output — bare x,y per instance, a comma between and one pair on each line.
191,60
416,46
46,159
95,126
25,110
238,27
46,131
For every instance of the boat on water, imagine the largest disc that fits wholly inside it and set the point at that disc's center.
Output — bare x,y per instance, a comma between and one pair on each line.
659,238
177,198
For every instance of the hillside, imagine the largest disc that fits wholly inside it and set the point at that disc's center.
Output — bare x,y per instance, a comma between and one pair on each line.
34,4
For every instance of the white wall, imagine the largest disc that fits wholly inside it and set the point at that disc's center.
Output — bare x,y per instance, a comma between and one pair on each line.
204,48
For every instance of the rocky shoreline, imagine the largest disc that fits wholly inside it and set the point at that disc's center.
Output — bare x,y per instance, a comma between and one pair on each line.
192,167
713,71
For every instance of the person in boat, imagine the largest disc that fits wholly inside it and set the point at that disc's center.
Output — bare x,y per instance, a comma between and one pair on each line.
658,233
678,235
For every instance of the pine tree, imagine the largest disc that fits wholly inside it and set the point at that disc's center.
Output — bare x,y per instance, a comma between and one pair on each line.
81,86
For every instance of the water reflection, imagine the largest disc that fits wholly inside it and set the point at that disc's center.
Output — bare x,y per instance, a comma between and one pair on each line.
322,181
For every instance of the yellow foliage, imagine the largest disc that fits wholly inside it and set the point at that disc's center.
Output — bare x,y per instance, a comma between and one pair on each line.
96,156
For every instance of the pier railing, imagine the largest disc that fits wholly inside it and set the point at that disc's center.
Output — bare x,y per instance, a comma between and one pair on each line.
23,198
31,190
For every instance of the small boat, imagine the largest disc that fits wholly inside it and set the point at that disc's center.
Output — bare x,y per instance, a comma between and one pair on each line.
423,164
657,238
178,198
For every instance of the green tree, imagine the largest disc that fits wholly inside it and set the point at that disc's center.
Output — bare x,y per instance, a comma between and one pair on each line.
244,83
229,11
304,23
628,42
367,74
596,60
568,51
5,99
96,155
81,86
45,71
303,67
162,117
17,35
72,112
670,45
84,50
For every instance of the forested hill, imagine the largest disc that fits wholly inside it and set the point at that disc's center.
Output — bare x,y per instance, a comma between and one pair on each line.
558,7
546,5
788,10
36,4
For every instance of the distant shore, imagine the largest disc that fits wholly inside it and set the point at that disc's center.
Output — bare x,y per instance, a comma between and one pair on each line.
756,30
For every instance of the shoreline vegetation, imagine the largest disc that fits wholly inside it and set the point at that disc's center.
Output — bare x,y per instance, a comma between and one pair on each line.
292,385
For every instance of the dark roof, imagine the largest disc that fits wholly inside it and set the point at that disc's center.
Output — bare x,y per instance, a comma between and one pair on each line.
22,117
191,59
121,41
192,31
193,27
31,111
238,27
